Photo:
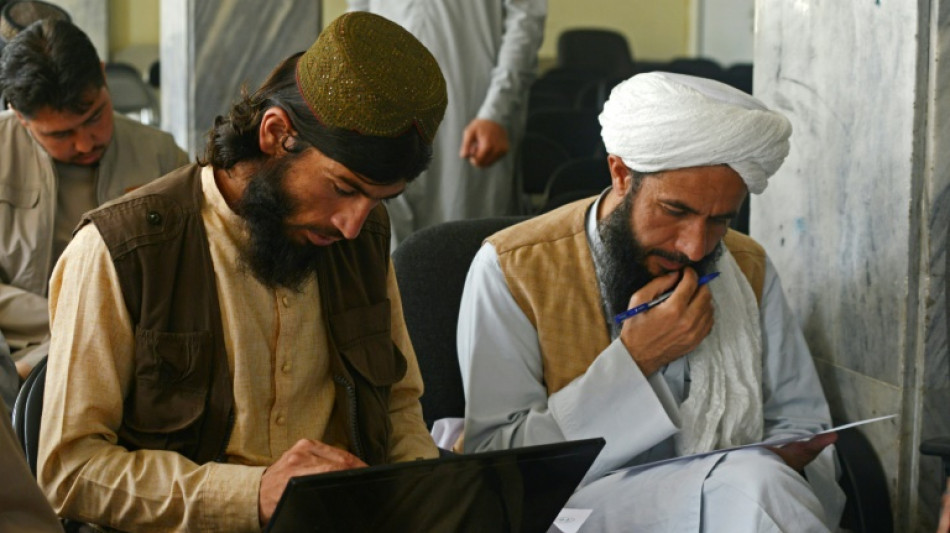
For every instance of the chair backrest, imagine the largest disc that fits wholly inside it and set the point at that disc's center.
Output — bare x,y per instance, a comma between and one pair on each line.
868,506
594,93
131,95
606,51
577,130
739,76
696,66
576,179
564,82
431,265
539,157
28,411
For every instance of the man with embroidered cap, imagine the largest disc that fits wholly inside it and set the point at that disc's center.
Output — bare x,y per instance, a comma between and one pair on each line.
713,366
237,322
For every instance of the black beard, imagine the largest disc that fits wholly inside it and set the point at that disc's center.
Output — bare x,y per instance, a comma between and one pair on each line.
624,258
274,259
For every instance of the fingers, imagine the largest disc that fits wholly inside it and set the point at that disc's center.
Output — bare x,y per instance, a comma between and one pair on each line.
483,142
820,442
654,288
304,457
318,453
469,144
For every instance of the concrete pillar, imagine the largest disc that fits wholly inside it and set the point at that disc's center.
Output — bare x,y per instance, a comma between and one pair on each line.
92,17
856,220
209,48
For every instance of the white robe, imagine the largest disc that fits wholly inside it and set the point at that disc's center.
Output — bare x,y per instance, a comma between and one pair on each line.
507,405
488,53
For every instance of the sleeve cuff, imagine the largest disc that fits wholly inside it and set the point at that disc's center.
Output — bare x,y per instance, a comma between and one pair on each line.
230,499
613,400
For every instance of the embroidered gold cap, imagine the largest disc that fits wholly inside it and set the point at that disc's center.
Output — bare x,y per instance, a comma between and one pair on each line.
368,74
19,14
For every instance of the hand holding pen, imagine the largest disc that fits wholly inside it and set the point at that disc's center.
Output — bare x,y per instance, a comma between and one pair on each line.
659,299
673,329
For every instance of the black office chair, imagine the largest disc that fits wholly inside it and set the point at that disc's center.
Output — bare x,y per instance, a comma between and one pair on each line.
541,97
739,76
577,130
131,95
539,158
696,66
595,93
27,413
565,82
576,179
868,507
602,50
431,266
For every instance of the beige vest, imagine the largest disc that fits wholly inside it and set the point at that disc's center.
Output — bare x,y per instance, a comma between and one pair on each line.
550,272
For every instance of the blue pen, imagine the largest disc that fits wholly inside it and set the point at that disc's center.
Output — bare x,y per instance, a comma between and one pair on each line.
658,300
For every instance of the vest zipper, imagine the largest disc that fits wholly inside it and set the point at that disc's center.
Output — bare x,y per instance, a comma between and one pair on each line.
354,431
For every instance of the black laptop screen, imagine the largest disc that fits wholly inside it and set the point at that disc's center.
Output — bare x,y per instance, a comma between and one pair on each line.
518,490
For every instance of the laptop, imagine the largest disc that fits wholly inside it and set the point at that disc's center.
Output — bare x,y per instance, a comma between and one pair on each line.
520,490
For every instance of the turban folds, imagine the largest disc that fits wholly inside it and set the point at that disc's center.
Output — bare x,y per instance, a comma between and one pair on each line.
662,121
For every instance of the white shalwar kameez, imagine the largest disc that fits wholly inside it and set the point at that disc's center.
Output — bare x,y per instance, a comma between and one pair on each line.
507,406
488,53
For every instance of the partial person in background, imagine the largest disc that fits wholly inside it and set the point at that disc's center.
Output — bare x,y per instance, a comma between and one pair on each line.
15,15
63,151
23,508
488,51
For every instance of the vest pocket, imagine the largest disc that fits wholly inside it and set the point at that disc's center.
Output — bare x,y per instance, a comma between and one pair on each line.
19,197
172,378
364,338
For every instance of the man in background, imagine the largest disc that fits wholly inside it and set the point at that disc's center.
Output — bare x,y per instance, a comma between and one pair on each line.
63,151
237,322
544,358
488,51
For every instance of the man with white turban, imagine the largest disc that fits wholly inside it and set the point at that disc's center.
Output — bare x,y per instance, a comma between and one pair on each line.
713,366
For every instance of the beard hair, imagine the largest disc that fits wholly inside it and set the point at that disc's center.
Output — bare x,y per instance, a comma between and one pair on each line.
624,258
272,257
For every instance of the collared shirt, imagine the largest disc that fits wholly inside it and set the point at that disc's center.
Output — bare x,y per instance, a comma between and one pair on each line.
282,392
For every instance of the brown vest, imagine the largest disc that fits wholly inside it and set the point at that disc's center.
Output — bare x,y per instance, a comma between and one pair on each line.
550,273
180,398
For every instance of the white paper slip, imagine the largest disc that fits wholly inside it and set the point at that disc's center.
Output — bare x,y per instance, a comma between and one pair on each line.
570,520
773,442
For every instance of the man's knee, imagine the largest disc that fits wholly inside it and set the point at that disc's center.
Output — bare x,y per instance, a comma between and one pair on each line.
757,471
757,488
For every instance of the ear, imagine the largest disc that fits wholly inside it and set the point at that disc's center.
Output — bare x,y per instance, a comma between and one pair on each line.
275,128
619,175
20,117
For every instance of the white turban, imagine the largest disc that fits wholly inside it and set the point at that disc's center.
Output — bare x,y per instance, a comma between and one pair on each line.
662,121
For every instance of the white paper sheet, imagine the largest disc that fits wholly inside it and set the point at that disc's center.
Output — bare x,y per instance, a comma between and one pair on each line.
774,442
570,520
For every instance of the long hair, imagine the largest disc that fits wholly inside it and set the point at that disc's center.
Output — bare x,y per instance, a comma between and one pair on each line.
382,160
51,63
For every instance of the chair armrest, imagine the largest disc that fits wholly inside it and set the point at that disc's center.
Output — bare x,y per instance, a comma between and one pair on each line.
939,446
